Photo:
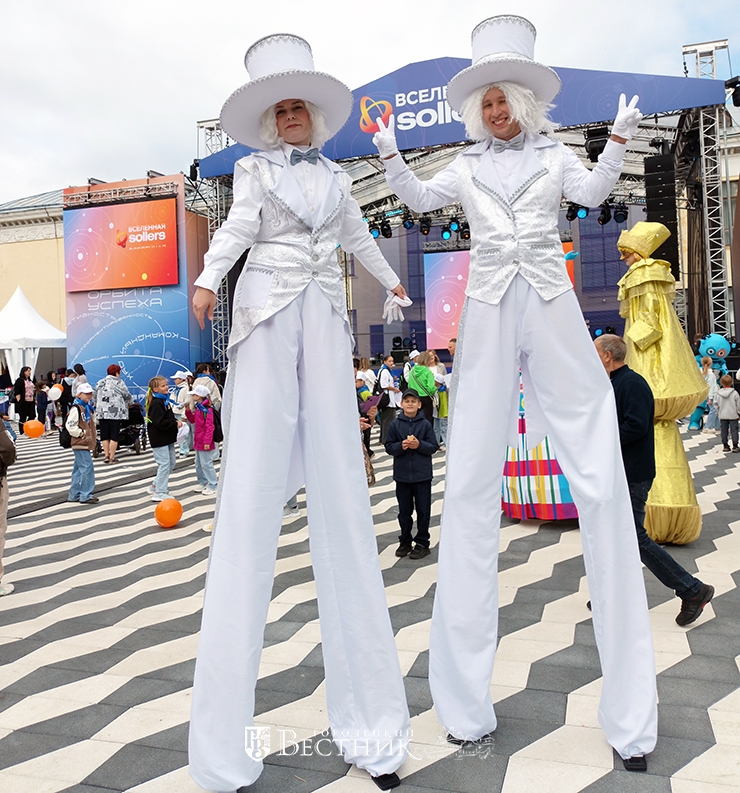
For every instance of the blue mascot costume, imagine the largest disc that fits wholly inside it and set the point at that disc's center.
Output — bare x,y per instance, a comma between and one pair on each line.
717,348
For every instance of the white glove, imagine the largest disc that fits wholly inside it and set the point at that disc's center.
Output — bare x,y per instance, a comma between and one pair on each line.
385,138
392,308
628,118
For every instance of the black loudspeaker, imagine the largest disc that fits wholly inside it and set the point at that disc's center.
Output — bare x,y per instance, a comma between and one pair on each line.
660,205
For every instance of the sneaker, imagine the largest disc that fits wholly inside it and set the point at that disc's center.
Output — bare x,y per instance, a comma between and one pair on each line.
6,589
198,489
725,448
736,448
208,491
419,552
208,527
91,500
160,496
692,607
150,490
291,512
403,550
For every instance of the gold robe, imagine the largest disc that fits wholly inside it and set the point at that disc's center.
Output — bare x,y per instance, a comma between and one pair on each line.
658,349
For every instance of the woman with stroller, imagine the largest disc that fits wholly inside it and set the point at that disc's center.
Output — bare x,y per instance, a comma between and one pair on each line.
112,399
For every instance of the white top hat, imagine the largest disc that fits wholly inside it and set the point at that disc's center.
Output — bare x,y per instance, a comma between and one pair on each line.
281,67
503,50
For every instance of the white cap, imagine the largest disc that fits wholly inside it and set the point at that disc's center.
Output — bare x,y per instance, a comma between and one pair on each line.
200,390
361,376
181,375
413,354
85,388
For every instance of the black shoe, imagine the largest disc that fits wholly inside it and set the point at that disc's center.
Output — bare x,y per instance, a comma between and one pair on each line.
387,781
726,449
91,500
419,552
588,605
403,550
484,740
736,448
636,763
691,608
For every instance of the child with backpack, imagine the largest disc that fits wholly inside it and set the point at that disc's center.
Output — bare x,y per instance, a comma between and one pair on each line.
206,427
162,428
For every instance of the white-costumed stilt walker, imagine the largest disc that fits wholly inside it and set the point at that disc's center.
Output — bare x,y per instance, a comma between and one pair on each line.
290,358
521,310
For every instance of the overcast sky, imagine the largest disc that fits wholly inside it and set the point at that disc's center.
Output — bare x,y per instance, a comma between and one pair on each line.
110,89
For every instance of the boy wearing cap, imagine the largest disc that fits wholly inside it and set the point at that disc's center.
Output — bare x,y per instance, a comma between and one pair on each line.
206,451
80,425
411,442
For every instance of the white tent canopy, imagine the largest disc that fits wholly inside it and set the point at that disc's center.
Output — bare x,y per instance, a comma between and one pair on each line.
23,331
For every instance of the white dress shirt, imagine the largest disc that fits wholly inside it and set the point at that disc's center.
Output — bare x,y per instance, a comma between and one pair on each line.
311,178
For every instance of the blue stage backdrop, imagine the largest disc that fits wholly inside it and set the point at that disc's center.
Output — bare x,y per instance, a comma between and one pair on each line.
146,330
416,95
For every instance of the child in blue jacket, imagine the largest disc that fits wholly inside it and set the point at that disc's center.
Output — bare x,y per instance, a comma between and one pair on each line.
411,441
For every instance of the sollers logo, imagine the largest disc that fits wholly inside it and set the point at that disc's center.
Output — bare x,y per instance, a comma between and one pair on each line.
381,107
121,238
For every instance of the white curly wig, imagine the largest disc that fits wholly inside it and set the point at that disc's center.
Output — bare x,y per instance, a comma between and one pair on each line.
269,131
526,109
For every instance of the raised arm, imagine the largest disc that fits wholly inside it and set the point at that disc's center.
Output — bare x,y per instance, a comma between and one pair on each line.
426,196
591,188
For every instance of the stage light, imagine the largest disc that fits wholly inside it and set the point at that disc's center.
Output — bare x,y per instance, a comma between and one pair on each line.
397,342
605,215
374,230
454,224
408,221
582,212
610,329
620,213
599,332
464,231
386,230
446,232
571,213
425,226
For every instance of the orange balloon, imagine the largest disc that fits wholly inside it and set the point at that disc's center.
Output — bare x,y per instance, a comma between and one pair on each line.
168,512
33,428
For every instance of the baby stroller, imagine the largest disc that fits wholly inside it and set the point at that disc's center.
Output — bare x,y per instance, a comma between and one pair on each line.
131,434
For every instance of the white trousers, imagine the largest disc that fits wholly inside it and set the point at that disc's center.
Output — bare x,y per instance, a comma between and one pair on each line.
550,341
282,379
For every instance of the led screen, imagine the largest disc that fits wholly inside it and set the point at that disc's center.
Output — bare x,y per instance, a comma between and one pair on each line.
121,245
445,279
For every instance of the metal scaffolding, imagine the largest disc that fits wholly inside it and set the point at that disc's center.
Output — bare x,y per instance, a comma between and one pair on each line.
216,193
711,125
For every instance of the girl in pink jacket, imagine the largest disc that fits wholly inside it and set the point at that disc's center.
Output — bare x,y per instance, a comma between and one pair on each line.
201,415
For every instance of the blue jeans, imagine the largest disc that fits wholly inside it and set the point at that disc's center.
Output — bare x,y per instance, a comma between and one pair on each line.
660,563
185,447
165,458
712,420
10,430
83,477
204,469
440,429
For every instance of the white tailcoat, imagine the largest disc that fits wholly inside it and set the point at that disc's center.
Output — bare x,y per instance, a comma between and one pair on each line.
521,311
290,320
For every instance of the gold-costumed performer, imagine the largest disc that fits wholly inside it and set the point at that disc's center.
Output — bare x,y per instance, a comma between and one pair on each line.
658,349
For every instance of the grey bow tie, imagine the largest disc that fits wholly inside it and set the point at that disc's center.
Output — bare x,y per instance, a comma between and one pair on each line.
311,156
515,144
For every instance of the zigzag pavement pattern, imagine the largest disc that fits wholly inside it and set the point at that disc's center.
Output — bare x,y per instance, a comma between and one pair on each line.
98,642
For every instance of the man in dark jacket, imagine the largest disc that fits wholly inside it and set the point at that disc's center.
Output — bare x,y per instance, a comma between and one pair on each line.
411,441
635,409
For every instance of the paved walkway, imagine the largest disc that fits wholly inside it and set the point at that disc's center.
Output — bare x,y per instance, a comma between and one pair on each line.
97,648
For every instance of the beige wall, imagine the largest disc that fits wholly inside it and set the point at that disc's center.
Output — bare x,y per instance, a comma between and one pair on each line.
37,266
